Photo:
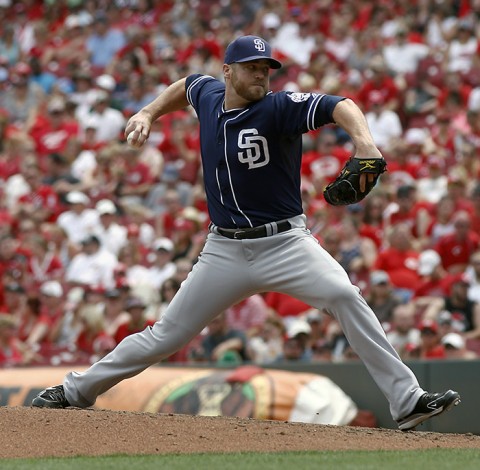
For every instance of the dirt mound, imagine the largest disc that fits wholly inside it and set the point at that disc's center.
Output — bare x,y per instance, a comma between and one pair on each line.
33,432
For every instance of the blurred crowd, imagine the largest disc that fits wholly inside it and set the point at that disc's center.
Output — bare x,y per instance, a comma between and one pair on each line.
96,237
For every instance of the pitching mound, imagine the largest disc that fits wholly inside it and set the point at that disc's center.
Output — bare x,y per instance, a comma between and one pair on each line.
33,432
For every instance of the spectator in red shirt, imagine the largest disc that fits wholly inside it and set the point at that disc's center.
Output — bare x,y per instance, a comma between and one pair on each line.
52,132
248,315
137,180
372,220
41,202
430,344
455,249
400,260
434,279
380,81
410,213
285,306
43,264
324,163
92,338
137,322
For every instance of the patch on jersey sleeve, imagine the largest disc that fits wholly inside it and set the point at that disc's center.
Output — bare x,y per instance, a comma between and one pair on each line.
299,97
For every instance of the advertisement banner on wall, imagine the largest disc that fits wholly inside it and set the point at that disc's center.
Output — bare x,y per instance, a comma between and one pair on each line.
246,392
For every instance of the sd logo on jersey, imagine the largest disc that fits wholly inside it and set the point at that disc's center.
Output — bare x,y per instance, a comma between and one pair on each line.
256,149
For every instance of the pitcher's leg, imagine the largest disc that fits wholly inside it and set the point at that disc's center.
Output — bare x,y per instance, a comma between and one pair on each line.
303,269
216,281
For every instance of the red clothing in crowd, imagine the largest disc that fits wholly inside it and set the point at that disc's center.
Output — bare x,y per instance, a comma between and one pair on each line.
325,166
457,252
401,266
52,140
43,198
284,305
126,329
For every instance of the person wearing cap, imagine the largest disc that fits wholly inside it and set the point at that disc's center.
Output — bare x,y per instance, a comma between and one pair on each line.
79,219
93,265
104,41
430,346
251,149
110,120
163,266
455,347
433,278
381,297
112,235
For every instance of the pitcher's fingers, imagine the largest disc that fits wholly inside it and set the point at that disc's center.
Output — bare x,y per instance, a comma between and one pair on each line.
362,181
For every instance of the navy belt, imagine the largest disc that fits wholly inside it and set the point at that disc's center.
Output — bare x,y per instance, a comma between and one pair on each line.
262,231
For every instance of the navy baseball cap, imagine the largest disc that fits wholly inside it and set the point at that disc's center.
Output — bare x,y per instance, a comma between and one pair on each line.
246,48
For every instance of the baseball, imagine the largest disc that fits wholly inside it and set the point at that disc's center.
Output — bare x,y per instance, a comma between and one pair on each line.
130,139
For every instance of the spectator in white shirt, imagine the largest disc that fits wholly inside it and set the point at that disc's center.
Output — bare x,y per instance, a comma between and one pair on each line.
79,221
402,56
163,267
384,123
112,235
110,121
93,266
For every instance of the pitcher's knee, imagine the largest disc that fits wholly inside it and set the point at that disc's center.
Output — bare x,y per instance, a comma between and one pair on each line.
343,293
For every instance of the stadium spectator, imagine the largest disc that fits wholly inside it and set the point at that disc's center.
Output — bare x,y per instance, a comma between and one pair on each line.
162,267
112,235
248,315
402,333
79,220
92,266
430,346
456,248
266,346
400,260
137,321
455,347
381,297
103,42
384,123
168,290
221,343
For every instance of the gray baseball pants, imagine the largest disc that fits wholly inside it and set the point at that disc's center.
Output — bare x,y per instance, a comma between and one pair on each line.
292,262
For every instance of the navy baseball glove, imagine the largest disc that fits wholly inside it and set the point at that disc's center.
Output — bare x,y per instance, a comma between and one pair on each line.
346,188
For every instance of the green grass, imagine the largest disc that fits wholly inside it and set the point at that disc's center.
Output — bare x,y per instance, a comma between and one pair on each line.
455,459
